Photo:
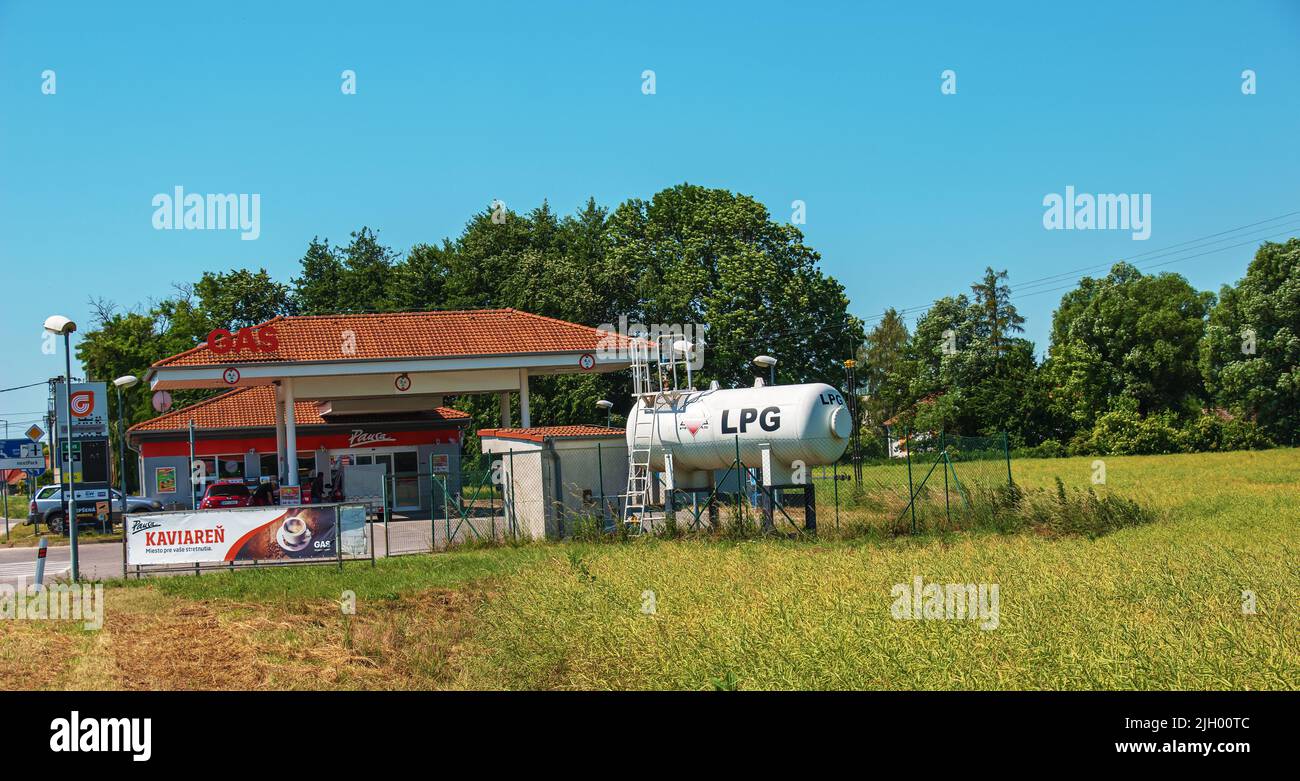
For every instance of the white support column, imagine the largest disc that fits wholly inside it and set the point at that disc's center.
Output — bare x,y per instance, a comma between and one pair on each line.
524,419
279,432
290,433
504,398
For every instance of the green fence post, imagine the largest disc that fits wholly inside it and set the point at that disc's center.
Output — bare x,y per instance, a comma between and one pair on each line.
600,471
1006,451
835,480
911,496
741,482
510,519
383,506
943,453
492,500
433,520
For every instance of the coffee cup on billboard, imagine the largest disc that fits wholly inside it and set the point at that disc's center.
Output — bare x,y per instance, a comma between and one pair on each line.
294,533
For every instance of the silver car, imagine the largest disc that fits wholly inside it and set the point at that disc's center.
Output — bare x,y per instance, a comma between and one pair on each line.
48,508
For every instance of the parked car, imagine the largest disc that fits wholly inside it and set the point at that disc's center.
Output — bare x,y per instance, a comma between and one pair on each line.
226,493
47,507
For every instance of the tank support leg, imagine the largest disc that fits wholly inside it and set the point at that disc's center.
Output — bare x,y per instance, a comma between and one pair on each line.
765,499
713,503
809,508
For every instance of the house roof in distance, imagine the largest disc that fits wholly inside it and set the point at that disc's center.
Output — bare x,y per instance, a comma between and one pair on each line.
543,433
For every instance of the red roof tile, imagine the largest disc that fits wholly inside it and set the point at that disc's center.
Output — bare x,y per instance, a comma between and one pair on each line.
541,433
252,407
409,335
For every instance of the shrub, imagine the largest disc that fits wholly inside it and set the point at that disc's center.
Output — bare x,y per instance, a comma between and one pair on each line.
1125,432
1243,435
1047,449
1055,513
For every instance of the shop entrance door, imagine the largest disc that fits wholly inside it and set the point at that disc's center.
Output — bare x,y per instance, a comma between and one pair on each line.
403,466
406,472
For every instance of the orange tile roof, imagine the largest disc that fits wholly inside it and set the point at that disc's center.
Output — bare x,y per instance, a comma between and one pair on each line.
409,335
251,407
541,433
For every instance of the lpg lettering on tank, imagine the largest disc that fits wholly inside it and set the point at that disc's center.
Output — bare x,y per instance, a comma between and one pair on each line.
768,420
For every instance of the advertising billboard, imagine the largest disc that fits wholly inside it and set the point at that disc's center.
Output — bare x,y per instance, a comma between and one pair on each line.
89,410
263,534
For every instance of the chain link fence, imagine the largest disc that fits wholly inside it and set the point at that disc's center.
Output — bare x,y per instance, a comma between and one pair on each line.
908,483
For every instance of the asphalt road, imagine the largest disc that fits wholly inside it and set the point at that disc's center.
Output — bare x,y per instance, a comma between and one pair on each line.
100,561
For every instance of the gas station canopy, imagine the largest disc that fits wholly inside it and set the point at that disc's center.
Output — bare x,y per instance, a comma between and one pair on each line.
391,364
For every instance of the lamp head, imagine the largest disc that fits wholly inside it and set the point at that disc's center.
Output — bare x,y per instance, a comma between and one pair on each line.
126,381
58,324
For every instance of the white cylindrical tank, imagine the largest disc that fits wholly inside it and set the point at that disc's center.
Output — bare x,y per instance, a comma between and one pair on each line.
807,423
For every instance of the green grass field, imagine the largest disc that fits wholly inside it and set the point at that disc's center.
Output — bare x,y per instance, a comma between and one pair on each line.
1153,606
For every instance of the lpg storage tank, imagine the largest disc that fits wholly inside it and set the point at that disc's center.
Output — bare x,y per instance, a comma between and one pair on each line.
800,426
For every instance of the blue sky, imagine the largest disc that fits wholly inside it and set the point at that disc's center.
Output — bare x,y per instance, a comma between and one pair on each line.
910,193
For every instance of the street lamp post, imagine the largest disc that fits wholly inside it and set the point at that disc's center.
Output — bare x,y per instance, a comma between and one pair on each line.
125,381
58,324
5,487
608,406
770,363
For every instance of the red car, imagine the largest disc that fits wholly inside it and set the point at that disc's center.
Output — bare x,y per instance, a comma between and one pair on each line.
226,493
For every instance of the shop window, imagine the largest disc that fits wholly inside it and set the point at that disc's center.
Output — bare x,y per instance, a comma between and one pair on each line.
231,467
407,462
270,465
205,469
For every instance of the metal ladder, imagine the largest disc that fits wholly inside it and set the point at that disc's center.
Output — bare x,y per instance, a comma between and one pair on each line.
654,386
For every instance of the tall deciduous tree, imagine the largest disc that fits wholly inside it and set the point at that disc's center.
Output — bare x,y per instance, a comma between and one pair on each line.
1127,338
240,298
716,259
319,288
1250,357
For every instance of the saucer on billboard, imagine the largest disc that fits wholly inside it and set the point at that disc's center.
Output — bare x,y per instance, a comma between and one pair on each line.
294,534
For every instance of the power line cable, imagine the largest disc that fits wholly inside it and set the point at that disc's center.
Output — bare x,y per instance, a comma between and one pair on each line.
20,387
1019,292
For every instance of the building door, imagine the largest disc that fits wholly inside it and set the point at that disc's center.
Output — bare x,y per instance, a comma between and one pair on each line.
406,485
406,471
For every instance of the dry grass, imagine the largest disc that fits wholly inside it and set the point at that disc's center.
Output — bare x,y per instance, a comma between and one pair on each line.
40,655
153,641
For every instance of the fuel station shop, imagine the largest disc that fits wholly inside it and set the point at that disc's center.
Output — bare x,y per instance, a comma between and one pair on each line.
307,398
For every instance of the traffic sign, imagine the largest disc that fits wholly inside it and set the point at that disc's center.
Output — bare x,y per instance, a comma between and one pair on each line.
22,454
35,433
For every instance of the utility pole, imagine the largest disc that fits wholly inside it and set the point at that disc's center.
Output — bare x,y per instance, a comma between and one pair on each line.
855,439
